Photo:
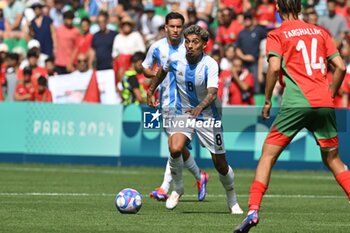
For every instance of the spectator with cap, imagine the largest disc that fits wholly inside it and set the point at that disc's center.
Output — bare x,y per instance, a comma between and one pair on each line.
126,43
102,44
43,30
150,23
248,46
42,93
66,37
25,89
35,46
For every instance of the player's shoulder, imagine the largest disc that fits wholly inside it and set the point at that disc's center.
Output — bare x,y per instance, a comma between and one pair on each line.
208,60
159,44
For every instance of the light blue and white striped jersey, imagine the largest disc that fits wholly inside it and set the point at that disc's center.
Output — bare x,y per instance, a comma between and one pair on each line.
159,54
193,81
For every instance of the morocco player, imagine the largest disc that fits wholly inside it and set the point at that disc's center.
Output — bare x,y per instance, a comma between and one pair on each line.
196,76
299,51
158,54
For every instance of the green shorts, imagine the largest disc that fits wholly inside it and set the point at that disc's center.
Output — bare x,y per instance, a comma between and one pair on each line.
319,121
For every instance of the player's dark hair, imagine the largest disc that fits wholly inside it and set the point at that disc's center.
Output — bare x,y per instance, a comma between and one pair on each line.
138,56
197,30
42,81
287,7
174,15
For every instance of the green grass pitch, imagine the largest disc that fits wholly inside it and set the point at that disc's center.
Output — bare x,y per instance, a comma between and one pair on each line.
66,198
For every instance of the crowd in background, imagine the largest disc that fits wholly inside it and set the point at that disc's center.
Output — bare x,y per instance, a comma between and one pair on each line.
40,39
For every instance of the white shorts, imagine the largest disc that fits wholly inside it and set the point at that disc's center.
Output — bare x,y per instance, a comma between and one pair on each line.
209,132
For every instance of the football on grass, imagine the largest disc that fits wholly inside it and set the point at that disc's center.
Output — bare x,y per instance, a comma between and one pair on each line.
128,201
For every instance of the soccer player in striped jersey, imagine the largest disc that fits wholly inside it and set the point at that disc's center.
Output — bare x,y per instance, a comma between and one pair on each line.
300,52
158,54
197,111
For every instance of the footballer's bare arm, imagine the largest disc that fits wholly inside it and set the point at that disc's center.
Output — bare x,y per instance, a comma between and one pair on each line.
210,98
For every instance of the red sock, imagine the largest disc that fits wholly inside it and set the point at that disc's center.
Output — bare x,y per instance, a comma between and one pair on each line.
257,190
343,180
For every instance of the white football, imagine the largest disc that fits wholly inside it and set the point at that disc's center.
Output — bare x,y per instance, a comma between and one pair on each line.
128,201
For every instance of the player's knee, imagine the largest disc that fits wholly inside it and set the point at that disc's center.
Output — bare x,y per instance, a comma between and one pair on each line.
175,149
329,155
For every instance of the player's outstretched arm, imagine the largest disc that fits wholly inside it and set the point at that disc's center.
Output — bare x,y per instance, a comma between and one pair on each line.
338,75
211,96
271,79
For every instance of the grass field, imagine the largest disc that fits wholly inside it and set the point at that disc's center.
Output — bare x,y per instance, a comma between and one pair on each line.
47,198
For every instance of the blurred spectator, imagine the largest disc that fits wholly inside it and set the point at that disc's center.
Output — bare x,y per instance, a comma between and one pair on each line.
150,23
12,70
37,71
66,37
227,32
2,20
241,90
335,23
43,30
248,46
161,33
102,44
133,92
35,46
226,61
126,43
239,6
320,7
134,10
25,90
95,7
42,93
265,12
82,64
79,11
13,14
50,67
3,55
56,13
204,8
84,40
210,43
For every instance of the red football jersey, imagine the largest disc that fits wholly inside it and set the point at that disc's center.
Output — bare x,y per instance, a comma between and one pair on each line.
304,50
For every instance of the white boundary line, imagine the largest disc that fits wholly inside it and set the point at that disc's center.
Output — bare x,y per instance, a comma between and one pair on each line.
119,171
186,195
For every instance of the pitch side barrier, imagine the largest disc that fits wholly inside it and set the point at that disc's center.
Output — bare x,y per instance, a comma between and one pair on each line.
134,136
